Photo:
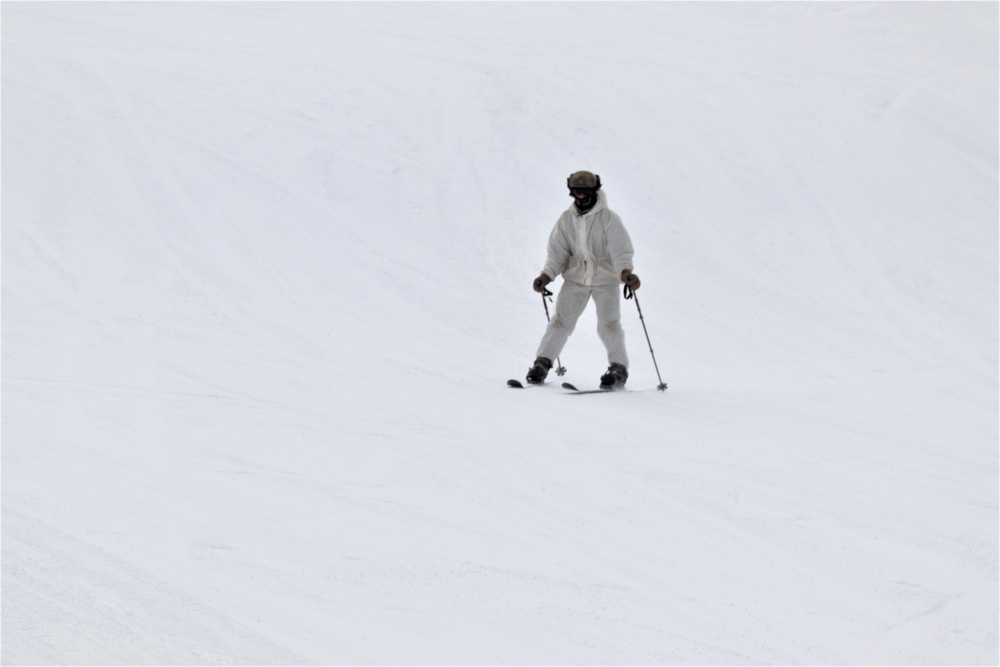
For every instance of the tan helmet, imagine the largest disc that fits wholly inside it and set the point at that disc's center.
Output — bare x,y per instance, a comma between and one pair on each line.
583,180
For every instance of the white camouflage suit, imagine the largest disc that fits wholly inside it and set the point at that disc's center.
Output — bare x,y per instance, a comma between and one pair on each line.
590,250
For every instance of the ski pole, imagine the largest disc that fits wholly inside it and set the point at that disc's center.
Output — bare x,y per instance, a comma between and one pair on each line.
560,371
629,293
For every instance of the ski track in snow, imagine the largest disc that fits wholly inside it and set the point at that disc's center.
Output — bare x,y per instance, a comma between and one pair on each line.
266,268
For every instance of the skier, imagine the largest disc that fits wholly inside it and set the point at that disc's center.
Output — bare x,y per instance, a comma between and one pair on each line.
592,250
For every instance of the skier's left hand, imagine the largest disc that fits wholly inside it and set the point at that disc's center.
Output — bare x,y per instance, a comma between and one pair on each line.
631,279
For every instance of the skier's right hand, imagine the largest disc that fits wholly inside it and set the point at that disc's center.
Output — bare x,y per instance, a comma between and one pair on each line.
540,282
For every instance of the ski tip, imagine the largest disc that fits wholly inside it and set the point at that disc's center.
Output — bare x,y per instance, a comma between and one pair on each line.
567,385
515,383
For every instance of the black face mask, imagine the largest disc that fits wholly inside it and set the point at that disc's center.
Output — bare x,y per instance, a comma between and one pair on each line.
585,203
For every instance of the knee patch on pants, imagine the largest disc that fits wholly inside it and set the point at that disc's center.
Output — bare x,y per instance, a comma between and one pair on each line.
614,326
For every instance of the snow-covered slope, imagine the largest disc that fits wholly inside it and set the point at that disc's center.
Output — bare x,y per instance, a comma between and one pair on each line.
267,266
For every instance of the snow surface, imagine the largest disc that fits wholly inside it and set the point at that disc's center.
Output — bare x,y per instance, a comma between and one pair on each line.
266,268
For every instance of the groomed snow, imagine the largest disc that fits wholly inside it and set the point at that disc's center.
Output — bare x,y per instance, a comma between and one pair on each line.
266,268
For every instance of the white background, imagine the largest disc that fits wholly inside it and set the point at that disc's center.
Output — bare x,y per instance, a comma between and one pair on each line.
266,269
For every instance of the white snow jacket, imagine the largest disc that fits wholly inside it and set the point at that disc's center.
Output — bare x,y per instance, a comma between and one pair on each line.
590,249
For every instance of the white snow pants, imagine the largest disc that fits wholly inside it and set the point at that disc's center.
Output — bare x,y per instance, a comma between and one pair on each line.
570,303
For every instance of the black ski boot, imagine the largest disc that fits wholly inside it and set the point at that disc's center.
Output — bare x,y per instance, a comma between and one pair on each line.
539,370
615,377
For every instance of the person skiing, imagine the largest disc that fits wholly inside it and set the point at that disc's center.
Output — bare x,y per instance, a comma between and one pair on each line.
591,249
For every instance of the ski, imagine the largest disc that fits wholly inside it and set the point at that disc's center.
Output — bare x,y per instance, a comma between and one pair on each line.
567,385
517,384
